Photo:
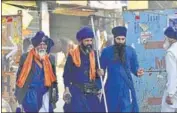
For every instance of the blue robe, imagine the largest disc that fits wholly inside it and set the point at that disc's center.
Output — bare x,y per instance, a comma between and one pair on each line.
120,97
31,94
80,75
33,99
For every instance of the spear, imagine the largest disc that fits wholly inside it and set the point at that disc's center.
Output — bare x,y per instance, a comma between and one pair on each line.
97,51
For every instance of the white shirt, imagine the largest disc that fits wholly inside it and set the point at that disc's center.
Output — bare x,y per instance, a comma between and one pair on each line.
171,68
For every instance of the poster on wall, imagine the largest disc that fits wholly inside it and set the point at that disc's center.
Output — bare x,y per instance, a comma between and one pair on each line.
11,52
145,35
172,21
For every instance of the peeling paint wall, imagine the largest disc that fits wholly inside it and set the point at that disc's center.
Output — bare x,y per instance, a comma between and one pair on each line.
145,34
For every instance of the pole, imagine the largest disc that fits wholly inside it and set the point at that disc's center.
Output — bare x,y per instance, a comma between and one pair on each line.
97,51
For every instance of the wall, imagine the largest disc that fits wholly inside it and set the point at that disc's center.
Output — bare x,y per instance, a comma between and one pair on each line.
145,34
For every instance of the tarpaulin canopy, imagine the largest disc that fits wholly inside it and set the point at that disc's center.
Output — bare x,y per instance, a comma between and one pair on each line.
71,2
107,5
12,10
21,3
73,12
137,5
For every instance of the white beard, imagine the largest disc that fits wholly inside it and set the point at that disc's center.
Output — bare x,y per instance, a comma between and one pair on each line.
166,44
42,53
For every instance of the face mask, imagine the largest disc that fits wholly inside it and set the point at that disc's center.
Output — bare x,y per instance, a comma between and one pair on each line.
166,44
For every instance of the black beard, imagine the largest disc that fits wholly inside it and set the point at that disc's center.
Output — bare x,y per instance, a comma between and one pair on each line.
119,52
87,49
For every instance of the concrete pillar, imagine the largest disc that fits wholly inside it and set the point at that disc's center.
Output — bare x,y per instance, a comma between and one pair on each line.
45,22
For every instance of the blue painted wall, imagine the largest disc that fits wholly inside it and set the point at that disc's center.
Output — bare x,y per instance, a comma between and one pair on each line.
151,84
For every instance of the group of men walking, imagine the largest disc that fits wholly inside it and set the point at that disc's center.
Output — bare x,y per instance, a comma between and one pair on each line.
36,85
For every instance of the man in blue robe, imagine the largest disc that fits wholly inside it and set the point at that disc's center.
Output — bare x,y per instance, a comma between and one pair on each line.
82,84
36,83
120,61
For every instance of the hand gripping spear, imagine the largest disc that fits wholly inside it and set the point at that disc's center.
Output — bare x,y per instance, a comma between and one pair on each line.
97,51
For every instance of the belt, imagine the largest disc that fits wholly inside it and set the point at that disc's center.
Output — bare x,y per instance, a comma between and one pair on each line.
87,88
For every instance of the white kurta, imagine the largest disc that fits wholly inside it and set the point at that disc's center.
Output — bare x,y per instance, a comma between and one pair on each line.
171,68
45,103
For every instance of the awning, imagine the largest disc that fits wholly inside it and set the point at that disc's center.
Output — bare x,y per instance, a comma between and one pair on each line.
21,3
134,5
71,2
12,10
73,12
107,5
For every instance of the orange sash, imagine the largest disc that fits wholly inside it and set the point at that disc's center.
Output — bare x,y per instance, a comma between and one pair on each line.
48,72
75,54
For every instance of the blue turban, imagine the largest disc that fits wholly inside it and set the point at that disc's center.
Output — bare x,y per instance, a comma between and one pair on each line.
49,42
170,33
119,31
38,38
83,33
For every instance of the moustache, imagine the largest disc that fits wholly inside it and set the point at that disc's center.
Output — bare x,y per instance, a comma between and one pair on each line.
119,45
41,52
87,48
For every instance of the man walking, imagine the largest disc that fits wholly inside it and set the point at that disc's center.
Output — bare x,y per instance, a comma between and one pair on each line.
36,84
82,84
120,61
169,101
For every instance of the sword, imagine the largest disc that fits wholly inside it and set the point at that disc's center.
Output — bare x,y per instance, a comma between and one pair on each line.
97,51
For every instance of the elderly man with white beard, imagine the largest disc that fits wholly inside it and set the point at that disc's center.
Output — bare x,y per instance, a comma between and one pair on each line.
169,101
36,83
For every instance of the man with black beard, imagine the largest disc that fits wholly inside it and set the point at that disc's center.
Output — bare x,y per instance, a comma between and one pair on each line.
82,84
120,61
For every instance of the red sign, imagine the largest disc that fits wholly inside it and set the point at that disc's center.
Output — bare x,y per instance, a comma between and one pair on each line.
9,19
154,101
154,45
137,17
